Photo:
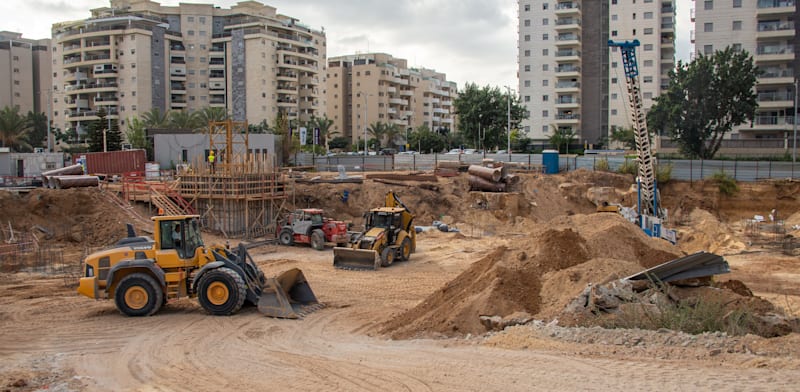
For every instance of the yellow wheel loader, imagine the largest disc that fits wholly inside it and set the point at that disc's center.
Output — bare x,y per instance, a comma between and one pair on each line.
388,236
141,274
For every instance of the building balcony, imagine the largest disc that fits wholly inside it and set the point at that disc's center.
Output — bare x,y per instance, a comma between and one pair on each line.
567,118
406,93
772,123
391,90
441,111
775,30
567,55
568,24
398,101
568,40
177,71
776,76
775,7
568,72
106,101
571,8
782,99
568,87
91,88
568,103
774,53
287,76
287,103
286,90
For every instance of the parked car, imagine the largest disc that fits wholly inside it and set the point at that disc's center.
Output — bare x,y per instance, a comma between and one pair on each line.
469,151
388,151
411,152
501,152
454,151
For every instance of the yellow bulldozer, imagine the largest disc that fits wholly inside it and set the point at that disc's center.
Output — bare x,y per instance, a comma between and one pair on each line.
141,274
388,236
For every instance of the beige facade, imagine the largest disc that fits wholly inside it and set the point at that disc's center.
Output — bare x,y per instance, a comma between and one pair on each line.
765,29
570,79
24,72
367,88
137,55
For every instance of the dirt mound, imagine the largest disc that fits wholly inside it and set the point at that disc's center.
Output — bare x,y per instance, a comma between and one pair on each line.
71,218
706,233
555,260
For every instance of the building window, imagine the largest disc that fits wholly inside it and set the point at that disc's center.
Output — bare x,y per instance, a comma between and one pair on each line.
545,113
708,49
614,17
527,22
190,19
545,129
527,37
648,63
647,95
527,53
613,64
544,6
613,112
614,34
527,68
527,7
545,52
648,47
545,98
737,47
613,80
545,37
737,25
708,5
190,32
708,27
647,79
527,98
613,96
545,22
648,15
545,82
737,3
545,67
648,31
202,20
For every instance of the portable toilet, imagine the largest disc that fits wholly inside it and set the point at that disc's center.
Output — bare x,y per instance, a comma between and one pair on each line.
550,161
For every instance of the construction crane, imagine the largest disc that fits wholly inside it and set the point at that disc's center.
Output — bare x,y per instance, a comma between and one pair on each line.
650,215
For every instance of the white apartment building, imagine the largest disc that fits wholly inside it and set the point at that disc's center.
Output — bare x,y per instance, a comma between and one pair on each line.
567,74
363,89
765,29
136,55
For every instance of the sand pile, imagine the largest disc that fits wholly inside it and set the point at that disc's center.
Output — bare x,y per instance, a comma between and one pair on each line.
706,232
540,276
73,217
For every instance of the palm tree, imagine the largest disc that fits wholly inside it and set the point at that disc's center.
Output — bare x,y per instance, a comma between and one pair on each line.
324,125
184,119
14,129
209,114
154,118
391,131
377,130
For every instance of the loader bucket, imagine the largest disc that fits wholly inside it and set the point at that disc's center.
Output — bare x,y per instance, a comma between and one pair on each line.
356,259
287,295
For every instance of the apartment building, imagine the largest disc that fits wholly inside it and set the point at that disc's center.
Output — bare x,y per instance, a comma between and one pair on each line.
569,78
137,55
765,29
366,88
24,72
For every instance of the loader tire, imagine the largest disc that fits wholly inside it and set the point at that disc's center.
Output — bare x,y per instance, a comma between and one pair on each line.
221,292
387,256
318,239
286,237
138,295
405,249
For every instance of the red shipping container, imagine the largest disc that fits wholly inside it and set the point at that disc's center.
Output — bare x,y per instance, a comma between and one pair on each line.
113,162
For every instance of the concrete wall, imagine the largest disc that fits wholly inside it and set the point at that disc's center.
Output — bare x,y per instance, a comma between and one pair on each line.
169,148
33,163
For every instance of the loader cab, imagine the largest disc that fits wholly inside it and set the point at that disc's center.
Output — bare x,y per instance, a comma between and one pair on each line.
387,218
181,233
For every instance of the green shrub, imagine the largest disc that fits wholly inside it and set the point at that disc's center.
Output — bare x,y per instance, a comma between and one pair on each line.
727,184
630,166
602,165
663,174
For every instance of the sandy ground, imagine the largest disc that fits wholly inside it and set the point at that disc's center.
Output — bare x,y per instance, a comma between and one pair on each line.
53,339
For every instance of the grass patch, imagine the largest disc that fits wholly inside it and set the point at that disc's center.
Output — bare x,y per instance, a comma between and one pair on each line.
727,184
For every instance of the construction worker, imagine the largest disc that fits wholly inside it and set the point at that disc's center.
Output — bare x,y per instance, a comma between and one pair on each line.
211,159
176,236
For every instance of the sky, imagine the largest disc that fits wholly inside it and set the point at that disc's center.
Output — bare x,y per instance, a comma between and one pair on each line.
471,41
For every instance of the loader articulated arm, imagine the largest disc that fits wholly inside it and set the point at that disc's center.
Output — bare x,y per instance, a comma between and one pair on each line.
393,201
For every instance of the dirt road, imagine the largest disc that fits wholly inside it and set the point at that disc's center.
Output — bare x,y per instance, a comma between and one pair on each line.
53,339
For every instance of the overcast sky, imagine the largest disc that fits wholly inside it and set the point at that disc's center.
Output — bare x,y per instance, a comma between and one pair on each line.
469,40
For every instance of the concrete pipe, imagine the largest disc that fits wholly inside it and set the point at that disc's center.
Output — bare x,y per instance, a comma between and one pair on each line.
448,164
75,169
481,184
487,173
65,182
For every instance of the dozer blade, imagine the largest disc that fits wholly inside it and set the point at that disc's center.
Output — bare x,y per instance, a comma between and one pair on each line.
356,259
287,295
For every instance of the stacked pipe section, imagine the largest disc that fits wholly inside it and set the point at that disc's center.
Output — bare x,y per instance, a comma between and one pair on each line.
68,177
490,179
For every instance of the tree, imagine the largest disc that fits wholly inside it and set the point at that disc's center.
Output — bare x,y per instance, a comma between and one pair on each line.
136,134
391,132
37,137
216,114
154,118
426,140
563,136
324,124
378,131
483,115
184,119
95,135
114,137
625,136
705,100
339,142
14,129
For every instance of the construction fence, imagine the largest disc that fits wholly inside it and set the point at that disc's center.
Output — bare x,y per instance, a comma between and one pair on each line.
682,169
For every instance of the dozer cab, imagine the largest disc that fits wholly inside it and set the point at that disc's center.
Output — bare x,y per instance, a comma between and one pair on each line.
388,236
141,274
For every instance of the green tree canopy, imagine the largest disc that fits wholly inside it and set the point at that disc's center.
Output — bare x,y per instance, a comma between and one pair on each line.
378,132
95,135
561,137
705,100
483,115
38,134
14,129
184,119
625,136
426,140
155,118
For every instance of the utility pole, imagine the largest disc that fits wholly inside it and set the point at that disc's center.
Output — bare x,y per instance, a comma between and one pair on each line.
49,117
366,124
509,122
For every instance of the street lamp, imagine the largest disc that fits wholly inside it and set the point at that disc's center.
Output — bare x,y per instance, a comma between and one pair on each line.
366,123
509,122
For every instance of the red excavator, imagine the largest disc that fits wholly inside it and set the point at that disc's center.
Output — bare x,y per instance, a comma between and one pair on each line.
310,226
